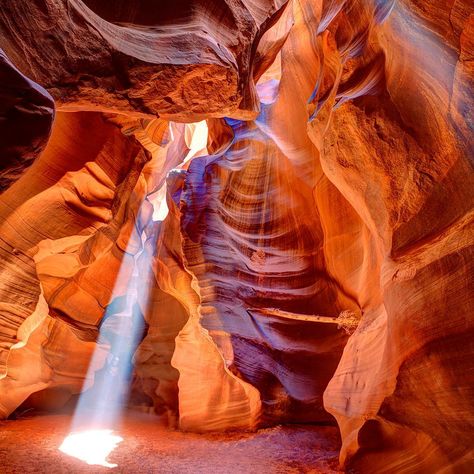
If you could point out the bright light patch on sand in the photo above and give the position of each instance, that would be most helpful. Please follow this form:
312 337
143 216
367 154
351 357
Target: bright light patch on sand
92 446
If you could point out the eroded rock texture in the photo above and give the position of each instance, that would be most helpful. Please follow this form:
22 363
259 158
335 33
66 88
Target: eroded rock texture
182 60
304 250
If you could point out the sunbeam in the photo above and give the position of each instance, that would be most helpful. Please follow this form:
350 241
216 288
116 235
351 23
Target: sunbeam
98 412
93 435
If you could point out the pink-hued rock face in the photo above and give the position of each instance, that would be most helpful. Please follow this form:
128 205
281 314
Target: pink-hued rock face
292 183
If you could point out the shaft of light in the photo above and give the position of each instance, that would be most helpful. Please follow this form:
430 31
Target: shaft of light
99 409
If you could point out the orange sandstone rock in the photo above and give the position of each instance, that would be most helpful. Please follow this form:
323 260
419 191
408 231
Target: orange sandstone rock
304 259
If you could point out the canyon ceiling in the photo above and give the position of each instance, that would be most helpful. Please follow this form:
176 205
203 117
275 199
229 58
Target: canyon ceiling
293 183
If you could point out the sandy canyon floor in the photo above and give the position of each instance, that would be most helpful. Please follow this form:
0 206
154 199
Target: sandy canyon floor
30 445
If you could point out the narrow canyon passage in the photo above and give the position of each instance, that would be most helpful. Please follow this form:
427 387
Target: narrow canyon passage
236 236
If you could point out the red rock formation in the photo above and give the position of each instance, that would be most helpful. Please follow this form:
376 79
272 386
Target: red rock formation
182 60
411 182
308 256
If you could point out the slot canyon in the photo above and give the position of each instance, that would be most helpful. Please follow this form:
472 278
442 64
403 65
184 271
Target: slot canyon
236 236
